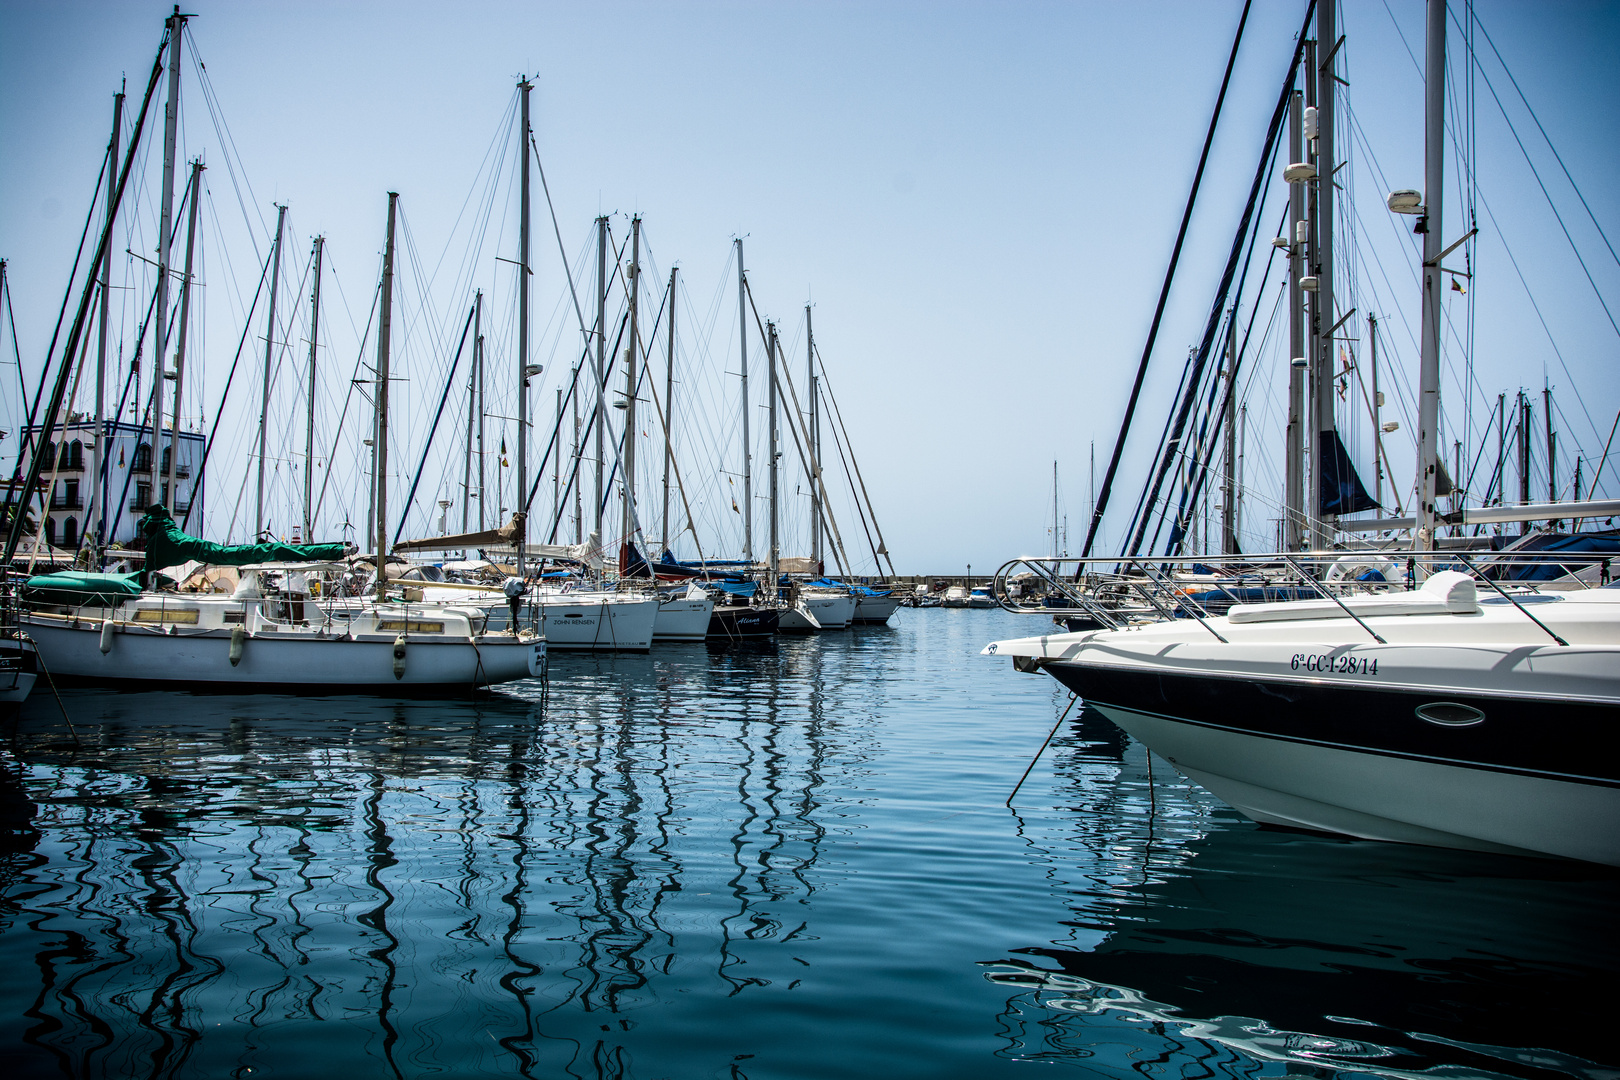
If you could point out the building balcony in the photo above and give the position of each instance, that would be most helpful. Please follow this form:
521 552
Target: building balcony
62 502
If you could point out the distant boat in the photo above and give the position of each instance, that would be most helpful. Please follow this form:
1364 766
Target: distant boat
955 596
981 597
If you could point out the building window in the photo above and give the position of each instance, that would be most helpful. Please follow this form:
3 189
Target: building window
47 456
75 455
143 495
143 458
50 532
70 533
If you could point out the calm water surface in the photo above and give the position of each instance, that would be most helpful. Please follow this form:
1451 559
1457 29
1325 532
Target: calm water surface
786 861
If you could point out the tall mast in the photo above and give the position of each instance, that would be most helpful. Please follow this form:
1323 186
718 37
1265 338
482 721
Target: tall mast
1429 361
628 532
1377 404
478 356
1552 465
521 502
599 419
1322 319
669 410
1229 543
269 351
98 445
1054 509
747 453
379 449
815 438
474 421
556 467
171 122
180 352
773 437
1294 468
309 417
1524 457
579 515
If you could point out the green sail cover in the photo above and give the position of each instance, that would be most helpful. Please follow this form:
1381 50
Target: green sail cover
166 545
74 588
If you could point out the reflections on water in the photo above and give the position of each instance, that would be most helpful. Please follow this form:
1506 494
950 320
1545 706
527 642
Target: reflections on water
773 861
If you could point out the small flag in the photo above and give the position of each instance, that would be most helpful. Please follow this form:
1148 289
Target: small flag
1456 286
120 457
734 509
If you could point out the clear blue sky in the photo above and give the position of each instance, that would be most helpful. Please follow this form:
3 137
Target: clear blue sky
979 198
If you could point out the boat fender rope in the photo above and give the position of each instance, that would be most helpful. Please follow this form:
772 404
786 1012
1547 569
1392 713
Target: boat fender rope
238 637
399 657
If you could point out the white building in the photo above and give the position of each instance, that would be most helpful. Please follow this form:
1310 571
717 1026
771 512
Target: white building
129 484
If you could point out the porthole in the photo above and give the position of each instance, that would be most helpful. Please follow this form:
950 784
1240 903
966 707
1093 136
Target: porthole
1450 714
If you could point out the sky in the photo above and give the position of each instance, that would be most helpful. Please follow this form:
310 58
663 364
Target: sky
978 199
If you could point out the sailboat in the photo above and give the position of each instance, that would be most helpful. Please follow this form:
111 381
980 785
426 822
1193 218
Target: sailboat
1433 715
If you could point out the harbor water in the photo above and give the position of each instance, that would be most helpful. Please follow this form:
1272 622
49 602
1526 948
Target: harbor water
783 860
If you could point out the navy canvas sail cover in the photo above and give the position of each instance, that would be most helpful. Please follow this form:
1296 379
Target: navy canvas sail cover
1342 491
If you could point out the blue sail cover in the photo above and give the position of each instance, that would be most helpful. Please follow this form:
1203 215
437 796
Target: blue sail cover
858 590
1342 491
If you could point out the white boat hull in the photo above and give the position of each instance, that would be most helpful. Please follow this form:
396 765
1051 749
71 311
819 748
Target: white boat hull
608 624
830 612
147 655
682 619
1379 797
875 610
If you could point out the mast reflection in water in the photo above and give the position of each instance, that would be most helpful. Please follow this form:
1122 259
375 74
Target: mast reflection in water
782 861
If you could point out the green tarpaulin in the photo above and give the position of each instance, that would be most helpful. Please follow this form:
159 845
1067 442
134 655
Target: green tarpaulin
75 588
166 545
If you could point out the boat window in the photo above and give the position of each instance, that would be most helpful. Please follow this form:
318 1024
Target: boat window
166 615
400 626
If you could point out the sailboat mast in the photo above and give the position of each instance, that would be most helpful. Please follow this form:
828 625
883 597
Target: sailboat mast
579 515
628 533
379 449
556 466
747 454
309 416
520 503
815 438
669 410
1054 510
180 352
772 438
1294 468
473 419
171 122
98 445
1322 319
1229 544
478 356
269 351
1377 404
599 420
1429 354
